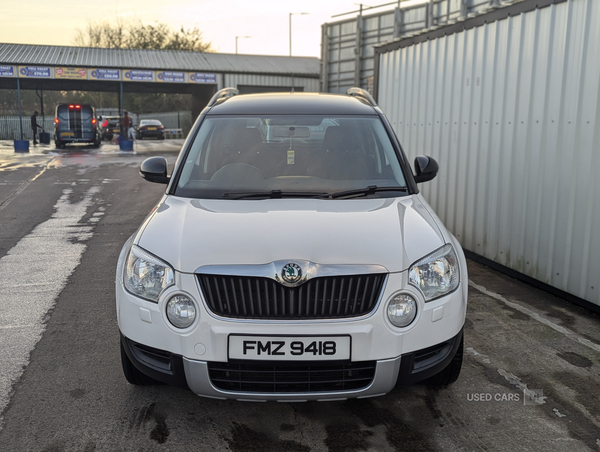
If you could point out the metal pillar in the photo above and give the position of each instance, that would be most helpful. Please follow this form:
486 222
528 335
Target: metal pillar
358 48
464 8
121 106
20 112
398 19
324 59
429 22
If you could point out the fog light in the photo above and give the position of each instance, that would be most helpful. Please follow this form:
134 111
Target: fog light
402 310
181 311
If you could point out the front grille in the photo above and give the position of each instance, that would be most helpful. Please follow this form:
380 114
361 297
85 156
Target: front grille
264 298
291 378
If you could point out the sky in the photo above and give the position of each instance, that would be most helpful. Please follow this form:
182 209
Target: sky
220 21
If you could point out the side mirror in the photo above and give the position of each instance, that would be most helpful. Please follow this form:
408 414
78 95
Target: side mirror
154 169
426 168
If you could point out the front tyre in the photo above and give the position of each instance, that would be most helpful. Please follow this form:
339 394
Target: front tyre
132 374
451 372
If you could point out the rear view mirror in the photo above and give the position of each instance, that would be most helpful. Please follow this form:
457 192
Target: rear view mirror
154 169
426 168
293 131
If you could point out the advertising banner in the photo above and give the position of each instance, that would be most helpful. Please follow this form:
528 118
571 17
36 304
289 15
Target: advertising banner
7 71
170 76
139 76
203 77
35 72
77 73
105 74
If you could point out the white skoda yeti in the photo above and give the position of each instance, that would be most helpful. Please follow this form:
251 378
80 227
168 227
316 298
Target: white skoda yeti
291 258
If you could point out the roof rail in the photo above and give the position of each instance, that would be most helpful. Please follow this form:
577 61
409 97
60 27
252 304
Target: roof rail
363 94
224 93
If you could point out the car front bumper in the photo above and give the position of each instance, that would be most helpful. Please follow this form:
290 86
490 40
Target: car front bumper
184 358
197 376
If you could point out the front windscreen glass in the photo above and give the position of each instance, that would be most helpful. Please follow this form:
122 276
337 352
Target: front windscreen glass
235 157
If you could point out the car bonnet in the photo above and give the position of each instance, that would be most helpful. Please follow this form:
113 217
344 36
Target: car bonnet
191 233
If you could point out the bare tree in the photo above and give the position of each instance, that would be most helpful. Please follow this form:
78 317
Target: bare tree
102 34
190 39
136 35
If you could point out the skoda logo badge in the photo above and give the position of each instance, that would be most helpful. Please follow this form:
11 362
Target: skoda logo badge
291 273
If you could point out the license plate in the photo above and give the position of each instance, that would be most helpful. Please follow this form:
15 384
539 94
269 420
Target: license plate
289 348
151 128
67 134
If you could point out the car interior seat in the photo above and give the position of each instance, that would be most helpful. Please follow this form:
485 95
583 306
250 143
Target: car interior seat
337 157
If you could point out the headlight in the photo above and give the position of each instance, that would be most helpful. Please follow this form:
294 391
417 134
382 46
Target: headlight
146 275
181 311
437 274
402 310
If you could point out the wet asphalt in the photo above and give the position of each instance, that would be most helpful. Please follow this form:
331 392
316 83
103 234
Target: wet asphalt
530 376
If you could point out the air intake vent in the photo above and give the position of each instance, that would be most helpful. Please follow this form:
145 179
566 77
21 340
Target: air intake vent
291 378
319 298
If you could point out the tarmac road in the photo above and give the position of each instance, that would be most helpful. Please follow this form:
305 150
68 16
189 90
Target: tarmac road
529 382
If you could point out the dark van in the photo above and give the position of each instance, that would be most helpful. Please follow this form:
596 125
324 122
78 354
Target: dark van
75 123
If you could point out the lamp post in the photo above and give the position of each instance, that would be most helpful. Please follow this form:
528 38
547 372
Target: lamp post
291 29
236 42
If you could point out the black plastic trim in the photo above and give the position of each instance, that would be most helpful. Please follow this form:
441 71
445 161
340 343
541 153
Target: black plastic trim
167 370
413 370
573 299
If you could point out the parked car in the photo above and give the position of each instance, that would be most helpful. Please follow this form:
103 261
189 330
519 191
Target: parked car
75 123
150 128
292 257
110 126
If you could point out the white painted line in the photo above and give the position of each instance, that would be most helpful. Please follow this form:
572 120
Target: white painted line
23 186
484 358
558 413
530 394
32 275
516 381
534 315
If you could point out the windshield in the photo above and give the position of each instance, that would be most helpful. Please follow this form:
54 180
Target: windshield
290 155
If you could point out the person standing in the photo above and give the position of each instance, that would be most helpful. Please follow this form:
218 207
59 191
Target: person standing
127 123
35 126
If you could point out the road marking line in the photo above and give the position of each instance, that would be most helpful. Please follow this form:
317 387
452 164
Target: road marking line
484 358
558 413
534 315
516 381
24 185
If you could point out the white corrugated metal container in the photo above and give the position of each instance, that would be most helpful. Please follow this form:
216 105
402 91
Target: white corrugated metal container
508 103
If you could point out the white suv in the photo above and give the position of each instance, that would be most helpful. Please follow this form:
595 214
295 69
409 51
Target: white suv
291 258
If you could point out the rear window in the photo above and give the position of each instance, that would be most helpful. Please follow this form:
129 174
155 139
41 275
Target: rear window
87 112
312 154
150 122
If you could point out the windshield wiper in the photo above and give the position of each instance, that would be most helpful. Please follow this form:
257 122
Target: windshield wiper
370 190
273 194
